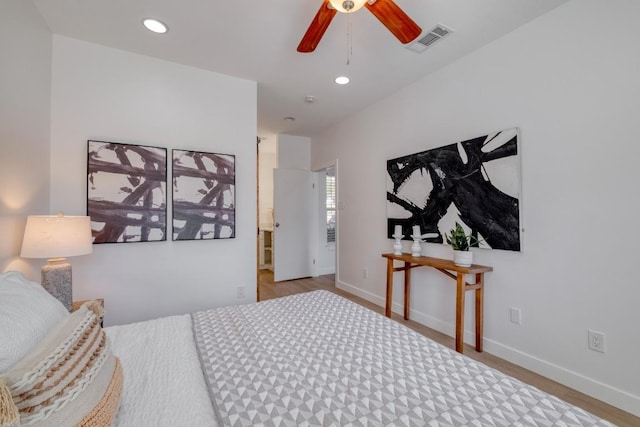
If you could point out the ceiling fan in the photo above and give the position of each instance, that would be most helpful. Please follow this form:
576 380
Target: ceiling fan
387 12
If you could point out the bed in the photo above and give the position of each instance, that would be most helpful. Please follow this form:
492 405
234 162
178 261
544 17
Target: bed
314 359
311 359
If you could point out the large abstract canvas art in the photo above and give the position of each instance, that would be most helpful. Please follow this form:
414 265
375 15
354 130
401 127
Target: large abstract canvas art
126 192
203 195
476 182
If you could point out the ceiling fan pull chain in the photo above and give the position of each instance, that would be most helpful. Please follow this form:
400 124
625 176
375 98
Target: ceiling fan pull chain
349 40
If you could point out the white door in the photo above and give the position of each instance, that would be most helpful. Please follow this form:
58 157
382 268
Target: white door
292 201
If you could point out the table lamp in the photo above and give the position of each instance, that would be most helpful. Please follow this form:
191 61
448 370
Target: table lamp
56 237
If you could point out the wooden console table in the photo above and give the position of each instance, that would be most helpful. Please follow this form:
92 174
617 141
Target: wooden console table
446 267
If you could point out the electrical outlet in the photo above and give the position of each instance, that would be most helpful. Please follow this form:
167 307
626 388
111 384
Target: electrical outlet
365 273
516 316
240 292
596 341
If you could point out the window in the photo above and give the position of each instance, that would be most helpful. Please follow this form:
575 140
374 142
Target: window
330 204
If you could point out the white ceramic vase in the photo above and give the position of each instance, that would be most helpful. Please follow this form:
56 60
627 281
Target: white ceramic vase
416 249
463 258
397 246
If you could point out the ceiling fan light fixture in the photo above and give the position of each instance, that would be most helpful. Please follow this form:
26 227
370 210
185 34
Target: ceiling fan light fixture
154 25
347 6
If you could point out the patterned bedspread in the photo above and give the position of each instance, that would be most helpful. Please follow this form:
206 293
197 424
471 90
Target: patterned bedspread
320 359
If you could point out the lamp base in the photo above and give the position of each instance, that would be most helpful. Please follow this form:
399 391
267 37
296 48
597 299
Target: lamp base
56 279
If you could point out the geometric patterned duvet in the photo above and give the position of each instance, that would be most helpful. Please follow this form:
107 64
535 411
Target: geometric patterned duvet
318 359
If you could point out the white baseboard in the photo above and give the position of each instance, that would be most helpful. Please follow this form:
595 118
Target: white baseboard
596 389
606 393
371 297
326 270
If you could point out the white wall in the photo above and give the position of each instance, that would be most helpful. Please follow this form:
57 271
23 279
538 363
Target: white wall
293 152
25 94
575 94
111 95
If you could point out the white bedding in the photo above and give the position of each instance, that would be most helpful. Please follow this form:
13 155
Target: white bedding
163 382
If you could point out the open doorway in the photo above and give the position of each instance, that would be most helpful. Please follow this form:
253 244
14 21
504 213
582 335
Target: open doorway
313 243
266 162
321 234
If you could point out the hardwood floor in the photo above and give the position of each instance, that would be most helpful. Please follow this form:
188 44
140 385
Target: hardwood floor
269 289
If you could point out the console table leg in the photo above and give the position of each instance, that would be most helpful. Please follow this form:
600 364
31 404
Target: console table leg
387 310
479 310
407 290
460 285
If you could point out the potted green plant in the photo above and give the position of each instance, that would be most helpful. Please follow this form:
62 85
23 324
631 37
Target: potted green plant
460 242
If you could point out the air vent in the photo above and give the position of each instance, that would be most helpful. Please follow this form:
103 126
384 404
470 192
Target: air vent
436 34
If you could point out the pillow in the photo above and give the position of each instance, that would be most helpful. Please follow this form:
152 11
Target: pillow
70 378
27 313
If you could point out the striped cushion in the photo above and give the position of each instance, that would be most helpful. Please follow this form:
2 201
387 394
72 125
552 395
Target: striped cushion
70 378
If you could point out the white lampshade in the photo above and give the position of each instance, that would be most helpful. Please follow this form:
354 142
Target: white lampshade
347 6
56 236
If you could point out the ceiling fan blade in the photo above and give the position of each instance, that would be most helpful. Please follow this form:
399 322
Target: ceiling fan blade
396 21
317 28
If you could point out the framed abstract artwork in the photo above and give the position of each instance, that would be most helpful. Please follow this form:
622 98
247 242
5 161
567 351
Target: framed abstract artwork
476 182
126 192
203 195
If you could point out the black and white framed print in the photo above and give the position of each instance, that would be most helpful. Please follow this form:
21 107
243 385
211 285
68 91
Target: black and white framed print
203 195
126 192
476 182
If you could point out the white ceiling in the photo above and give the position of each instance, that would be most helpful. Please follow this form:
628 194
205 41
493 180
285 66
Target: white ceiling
257 40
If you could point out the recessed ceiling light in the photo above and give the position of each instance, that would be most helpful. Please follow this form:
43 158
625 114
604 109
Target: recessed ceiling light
342 80
155 25
289 119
